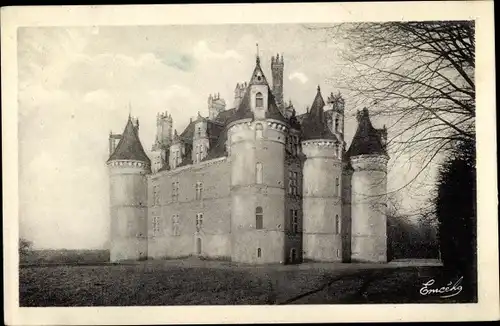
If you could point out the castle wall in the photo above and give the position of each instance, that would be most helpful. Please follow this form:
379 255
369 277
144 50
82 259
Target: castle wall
369 219
214 204
128 210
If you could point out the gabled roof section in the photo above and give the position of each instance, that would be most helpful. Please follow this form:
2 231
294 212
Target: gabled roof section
258 77
130 147
367 140
314 123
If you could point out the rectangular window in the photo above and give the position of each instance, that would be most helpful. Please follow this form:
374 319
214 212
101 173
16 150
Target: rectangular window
295 220
156 225
258 173
337 224
156 195
175 225
199 221
337 186
175 191
259 218
293 184
199 190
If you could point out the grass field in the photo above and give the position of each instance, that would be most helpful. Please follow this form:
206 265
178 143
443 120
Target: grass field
180 283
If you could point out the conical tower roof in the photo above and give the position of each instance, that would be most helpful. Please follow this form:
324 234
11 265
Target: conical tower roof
366 140
130 147
315 125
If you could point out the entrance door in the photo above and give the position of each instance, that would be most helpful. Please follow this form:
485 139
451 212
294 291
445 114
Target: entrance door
198 246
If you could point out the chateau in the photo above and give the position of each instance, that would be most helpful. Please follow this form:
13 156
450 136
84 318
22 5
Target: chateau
254 183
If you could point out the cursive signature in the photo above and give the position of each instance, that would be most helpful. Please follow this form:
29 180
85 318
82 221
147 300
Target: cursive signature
448 291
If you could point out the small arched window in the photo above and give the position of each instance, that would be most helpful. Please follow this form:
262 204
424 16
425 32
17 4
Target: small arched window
258 131
336 124
337 224
199 132
258 173
259 100
259 218
336 186
259 252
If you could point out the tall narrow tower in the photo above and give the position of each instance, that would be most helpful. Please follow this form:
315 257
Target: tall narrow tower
277 68
256 135
368 157
128 166
322 173
163 140
215 105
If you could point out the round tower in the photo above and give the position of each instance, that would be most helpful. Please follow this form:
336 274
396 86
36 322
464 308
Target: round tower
128 166
256 136
257 157
322 173
368 159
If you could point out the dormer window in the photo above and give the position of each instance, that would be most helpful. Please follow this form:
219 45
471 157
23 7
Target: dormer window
259 100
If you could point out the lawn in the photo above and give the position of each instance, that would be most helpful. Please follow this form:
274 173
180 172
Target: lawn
161 283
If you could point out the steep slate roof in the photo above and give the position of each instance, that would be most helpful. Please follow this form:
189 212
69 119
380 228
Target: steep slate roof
223 116
187 135
214 131
314 123
273 112
243 111
219 148
366 140
130 147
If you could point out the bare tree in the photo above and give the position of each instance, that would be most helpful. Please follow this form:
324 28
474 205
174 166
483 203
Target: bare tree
419 76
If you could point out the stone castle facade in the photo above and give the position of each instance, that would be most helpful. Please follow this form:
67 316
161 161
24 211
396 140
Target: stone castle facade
254 183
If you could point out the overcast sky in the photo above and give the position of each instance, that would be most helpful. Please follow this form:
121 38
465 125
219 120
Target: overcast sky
76 84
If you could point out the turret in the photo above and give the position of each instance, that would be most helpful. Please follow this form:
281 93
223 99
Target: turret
177 151
215 105
201 142
163 140
322 177
256 137
128 166
239 91
114 139
368 158
277 67
337 104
